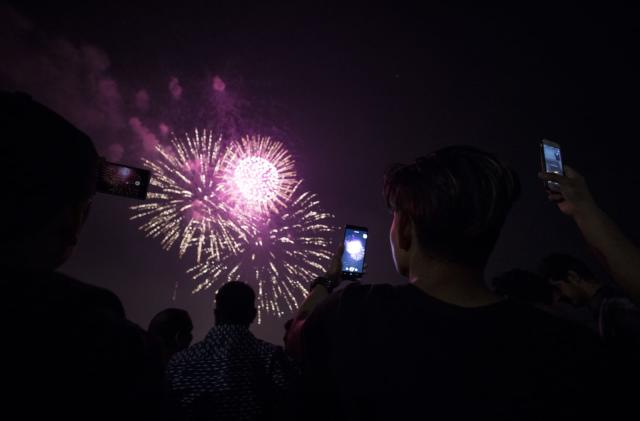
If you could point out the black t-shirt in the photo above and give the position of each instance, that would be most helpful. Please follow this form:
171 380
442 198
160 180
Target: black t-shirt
69 352
394 352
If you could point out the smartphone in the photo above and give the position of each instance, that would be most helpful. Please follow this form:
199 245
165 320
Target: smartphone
122 180
355 247
551 161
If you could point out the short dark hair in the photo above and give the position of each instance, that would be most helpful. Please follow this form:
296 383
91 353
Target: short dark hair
458 198
235 304
556 266
43 159
170 322
523 285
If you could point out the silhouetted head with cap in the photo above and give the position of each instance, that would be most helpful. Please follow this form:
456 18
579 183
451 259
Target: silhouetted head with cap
48 171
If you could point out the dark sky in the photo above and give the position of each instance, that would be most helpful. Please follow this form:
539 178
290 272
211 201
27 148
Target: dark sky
351 89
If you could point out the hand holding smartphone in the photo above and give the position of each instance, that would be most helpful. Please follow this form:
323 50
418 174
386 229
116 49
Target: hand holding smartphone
355 247
122 180
551 162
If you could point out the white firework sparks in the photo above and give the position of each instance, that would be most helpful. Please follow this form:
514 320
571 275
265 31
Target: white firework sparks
283 254
259 176
185 204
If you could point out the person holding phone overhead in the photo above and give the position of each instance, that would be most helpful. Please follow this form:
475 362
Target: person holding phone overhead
442 346
616 317
619 255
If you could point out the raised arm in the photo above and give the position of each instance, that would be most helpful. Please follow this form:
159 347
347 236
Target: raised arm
618 254
319 292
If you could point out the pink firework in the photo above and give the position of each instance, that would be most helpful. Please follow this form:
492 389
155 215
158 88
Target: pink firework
281 255
259 176
184 205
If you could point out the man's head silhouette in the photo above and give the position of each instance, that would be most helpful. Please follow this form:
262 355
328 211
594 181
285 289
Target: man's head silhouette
48 172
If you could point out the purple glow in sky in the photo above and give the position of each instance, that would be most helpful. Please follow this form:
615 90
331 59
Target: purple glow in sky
175 88
164 129
149 140
115 152
218 84
142 100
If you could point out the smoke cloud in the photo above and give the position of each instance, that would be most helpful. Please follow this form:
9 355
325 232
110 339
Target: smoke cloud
115 152
164 129
175 88
142 100
72 79
149 140
218 84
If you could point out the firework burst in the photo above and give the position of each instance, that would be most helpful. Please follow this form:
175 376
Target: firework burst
259 176
284 252
185 205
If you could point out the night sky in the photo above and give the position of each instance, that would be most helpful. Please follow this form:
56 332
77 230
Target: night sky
350 90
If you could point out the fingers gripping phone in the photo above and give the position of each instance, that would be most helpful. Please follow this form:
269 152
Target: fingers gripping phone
355 247
121 180
551 161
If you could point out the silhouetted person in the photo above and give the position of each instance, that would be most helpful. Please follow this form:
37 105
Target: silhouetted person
442 346
615 317
232 375
73 354
172 327
615 251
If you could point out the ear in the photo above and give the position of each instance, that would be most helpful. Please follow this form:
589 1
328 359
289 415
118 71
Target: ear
405 231
573 277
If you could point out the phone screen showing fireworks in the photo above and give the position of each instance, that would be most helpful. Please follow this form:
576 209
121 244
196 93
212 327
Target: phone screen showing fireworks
355 246
121 180
552 161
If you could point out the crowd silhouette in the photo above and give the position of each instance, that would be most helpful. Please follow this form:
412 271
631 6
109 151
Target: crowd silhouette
444 345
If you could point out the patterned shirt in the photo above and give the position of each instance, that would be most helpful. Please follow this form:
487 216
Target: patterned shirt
232 375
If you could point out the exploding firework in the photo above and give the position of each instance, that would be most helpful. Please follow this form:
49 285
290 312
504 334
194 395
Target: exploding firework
259 176
185 204
284 252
